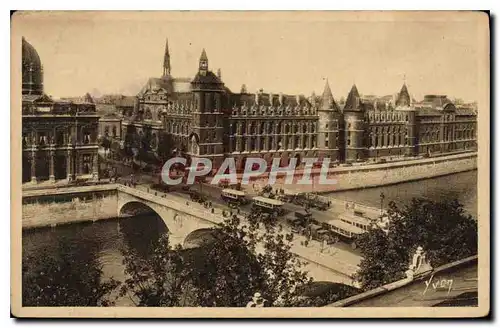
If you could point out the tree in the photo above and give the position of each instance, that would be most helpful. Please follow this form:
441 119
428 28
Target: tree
105 144
236 261
165 146
443 229
66 281
156 280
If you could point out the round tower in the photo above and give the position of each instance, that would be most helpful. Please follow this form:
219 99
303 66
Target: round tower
328 126
354 127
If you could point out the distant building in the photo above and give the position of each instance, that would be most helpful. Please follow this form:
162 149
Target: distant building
59 138
205 119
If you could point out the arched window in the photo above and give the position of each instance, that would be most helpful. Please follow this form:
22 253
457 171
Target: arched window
304 128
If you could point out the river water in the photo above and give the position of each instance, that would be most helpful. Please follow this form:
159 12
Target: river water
103 241
461 186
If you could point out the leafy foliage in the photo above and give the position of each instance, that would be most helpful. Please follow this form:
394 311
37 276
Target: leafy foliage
51 281
158 279
237 261
443 229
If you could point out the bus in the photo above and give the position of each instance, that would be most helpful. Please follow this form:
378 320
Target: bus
268 205
233 196
349 227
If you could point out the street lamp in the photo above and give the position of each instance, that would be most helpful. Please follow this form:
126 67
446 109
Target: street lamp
382 197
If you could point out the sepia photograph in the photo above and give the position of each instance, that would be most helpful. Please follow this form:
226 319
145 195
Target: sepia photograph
180 164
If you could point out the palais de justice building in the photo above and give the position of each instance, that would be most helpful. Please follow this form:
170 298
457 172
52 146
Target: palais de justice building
59 138
206 119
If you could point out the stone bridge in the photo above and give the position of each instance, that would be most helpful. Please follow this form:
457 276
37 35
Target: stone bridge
185 223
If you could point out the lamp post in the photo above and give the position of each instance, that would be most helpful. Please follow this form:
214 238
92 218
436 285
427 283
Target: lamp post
382 197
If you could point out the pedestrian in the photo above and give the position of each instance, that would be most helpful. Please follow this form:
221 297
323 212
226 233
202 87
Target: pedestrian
213 210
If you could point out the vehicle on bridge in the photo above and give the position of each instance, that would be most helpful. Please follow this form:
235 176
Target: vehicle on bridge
233 196
197 197
268 205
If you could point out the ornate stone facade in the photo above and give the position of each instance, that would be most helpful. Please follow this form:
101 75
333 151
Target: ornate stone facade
59 138
205 119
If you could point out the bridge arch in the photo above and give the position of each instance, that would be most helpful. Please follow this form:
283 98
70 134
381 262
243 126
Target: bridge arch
135 208
200 237
180 218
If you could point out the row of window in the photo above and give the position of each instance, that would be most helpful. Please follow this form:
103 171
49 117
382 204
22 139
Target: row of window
254 128
273 111
242 144
386 116
59 139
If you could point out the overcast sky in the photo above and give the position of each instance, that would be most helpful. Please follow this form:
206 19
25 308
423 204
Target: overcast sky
117 52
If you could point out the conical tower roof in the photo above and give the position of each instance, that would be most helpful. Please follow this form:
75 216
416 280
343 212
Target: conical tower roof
327 100
353 101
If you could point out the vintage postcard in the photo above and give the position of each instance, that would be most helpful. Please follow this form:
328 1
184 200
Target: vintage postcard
250 164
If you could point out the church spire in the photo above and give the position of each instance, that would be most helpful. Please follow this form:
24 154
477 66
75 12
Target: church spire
166 61
203 67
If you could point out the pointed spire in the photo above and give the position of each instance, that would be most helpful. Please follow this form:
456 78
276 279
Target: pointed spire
203 55
203 68
403 98
327 100
219 74
166 60
353 101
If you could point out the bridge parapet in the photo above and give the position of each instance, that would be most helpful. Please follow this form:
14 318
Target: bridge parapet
181 219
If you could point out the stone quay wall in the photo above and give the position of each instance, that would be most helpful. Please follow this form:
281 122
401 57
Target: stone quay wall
44 208
373 175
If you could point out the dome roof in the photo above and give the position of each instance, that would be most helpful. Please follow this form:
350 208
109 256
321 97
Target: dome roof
31 70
